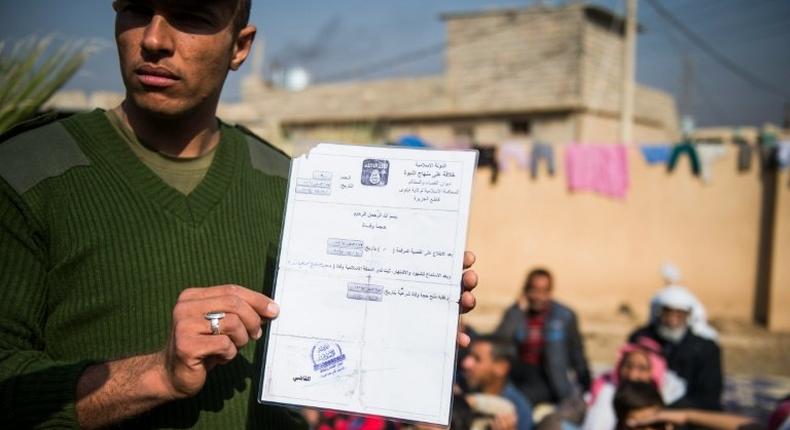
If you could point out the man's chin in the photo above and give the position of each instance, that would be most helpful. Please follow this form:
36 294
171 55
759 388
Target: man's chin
159 105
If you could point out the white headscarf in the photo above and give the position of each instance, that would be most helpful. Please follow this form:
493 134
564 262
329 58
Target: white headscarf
679 297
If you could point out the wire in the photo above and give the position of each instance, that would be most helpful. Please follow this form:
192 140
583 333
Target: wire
400 59
715 54
414 55
684 56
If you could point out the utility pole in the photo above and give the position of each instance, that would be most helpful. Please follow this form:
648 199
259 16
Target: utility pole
629 54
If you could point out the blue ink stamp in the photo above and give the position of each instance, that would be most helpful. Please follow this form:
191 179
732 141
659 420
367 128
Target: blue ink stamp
367 292
345 247
327 358
375 172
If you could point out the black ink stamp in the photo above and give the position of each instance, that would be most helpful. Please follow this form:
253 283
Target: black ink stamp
327 358
375 172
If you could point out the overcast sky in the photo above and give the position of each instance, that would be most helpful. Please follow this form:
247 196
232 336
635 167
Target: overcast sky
332 39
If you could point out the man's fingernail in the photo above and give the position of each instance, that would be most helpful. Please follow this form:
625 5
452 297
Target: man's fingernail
273 309
259 334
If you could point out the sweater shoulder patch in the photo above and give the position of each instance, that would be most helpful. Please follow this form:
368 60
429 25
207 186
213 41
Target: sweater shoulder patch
265 157
38 154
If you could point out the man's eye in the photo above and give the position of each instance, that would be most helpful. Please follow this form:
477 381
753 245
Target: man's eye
138 10
190 18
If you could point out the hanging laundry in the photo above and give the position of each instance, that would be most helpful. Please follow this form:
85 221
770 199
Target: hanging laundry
459 142
769 149
684 148
541 151
413 141
486 157
709 154
512 152
783 154
656 153
599 168
744 154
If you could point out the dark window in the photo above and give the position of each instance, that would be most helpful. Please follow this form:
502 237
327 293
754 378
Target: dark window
520 127
464 131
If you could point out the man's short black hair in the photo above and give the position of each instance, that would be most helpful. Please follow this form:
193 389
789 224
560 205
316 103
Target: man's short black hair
242 17
501 347
631 396
536 272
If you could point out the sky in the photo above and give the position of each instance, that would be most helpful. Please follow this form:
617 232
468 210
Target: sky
335 39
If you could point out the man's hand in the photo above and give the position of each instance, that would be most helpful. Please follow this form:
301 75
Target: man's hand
695 417
468 301
113 391
676 417
192 350
505 421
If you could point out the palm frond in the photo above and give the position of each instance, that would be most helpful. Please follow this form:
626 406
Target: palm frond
31 73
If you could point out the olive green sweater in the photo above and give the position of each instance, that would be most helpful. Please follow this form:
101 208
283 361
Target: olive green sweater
94 250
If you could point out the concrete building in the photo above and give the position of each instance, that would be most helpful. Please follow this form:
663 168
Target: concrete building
545 73
554 74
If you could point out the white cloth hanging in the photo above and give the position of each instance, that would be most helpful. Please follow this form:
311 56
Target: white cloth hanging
709 154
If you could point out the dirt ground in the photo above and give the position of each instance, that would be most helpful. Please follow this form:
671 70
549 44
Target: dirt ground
747 349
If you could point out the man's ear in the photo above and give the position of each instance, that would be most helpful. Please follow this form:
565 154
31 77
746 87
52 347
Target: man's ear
242 46
502 368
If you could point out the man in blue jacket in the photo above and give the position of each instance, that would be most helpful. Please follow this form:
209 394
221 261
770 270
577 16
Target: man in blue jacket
549 344
486 367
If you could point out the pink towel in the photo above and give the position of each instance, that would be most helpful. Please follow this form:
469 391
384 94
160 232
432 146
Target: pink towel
599 168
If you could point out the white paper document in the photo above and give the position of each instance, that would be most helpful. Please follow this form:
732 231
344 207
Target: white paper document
368 282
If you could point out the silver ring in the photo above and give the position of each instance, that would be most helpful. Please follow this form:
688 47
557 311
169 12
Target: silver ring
213 318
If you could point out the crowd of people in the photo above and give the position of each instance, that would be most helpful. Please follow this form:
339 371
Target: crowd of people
532 372
668 373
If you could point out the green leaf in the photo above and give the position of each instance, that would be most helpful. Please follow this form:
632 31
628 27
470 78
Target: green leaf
31 73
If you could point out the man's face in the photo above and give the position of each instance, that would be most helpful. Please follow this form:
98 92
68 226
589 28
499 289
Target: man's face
479 366
539 293
674 318
375 177
636 367
175 54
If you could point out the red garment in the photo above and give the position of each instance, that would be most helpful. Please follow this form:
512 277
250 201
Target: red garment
531 349
335 421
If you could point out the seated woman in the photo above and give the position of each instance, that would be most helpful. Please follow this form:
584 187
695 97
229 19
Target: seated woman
636 362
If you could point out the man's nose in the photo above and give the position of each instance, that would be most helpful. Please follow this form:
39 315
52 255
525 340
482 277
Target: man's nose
158 36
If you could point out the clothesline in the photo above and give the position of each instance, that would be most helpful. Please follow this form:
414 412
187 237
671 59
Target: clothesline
604 168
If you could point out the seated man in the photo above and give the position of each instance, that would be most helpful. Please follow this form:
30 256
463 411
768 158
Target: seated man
549 343
486 368
686 344
641 362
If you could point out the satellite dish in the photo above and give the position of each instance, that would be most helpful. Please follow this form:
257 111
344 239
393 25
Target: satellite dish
296 79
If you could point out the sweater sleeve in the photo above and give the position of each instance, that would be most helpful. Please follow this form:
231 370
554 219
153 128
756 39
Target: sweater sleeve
577 356
36 391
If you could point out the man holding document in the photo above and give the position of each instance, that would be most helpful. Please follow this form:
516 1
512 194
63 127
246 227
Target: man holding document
138 247
372 249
